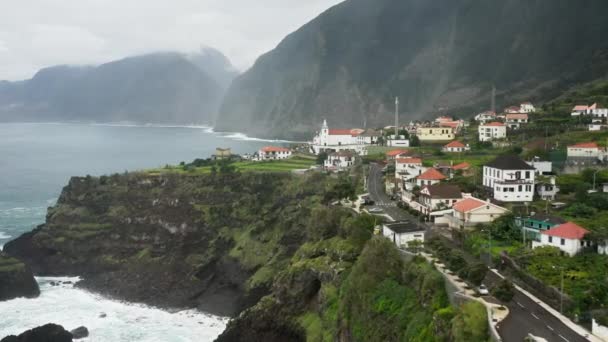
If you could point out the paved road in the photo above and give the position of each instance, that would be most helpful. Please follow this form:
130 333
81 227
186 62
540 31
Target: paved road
375 187
525 316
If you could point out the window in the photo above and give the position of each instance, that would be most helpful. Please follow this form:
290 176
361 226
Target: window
519 188
563 242
527 174
550 239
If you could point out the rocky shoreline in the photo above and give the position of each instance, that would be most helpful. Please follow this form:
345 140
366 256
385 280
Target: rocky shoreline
16 279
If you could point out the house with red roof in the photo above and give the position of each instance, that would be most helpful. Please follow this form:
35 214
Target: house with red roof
568 237
431 176
487 116
394 154
464 169
455 147
273 153
585 150
515 120
492 131
472 211
594 109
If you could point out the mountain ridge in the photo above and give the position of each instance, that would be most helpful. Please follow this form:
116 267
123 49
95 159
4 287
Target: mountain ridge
155 88
348 64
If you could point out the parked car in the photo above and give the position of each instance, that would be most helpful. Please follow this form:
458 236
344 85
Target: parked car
376 210
483 290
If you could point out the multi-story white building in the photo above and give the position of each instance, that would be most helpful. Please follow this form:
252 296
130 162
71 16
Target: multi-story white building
273 153
510 178
492 131
439 197
407 169
568 237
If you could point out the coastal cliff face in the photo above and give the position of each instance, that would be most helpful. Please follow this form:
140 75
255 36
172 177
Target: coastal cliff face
208 241
16 279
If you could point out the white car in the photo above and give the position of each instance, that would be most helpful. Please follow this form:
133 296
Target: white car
483 290
376 210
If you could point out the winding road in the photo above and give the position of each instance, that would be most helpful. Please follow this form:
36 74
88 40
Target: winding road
525 315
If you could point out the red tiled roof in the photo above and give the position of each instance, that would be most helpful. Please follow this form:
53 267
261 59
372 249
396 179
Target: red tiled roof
444 118
462 166
409 161
270 149
585 145
468 204
568 230
517 116
455 143
394 153
580 107
351 132
431 174
451 124
497 124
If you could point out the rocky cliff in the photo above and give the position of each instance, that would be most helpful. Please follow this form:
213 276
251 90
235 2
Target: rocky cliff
16 279
46 333
348 64
208 241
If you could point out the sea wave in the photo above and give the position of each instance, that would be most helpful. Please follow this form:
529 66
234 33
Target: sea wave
106 320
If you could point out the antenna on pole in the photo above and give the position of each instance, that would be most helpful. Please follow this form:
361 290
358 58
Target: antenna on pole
396 117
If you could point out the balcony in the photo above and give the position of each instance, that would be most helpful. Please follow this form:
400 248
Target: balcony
513 181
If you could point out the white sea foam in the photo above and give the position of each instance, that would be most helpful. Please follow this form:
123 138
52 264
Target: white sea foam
72 307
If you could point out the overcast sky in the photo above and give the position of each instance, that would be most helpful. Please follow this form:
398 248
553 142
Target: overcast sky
39 33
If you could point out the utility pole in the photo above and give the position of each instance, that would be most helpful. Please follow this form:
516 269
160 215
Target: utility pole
493 104
396 117
561 297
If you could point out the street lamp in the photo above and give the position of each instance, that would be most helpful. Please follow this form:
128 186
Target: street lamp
561 291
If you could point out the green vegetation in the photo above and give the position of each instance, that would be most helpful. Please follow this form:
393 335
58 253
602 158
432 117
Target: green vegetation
504 290
10 264
299 162
584 275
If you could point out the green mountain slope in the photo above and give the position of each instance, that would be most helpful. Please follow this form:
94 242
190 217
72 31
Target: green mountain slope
349 63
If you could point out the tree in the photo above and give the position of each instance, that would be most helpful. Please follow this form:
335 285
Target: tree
321 158
580 210
414 141
504 291
476 273
471 323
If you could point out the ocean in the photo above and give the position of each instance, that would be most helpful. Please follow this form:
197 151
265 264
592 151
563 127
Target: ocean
37 160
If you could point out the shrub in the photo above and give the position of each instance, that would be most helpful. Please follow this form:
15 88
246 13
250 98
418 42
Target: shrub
504 291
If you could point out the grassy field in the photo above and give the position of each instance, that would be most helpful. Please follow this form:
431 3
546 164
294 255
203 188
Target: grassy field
299 162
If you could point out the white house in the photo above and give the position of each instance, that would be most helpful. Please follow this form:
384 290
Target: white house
542 167
339 160
527 107
274 153
515 120
492 131
484 117
337 139
398 141
407 169
594 110
547 190
510 178
369 137
472 211
430 177
512 109
455 147
394 154
404 232
587 150
568 237
439 197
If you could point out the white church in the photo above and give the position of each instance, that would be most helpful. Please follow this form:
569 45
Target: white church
335 140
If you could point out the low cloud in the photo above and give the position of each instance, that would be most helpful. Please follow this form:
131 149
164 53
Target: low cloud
40 33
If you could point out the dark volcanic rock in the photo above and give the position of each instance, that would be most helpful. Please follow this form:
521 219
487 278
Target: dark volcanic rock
45 333
16 279
80 332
